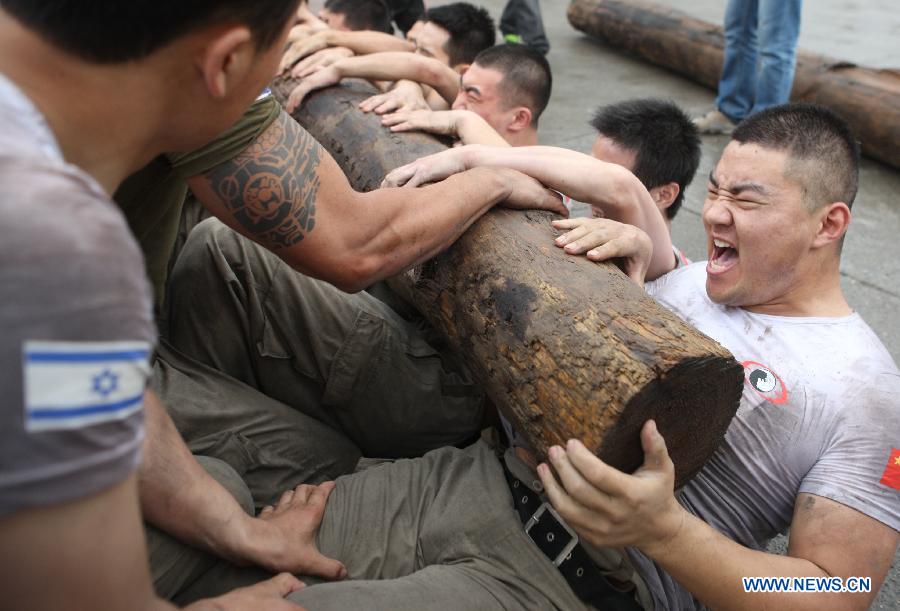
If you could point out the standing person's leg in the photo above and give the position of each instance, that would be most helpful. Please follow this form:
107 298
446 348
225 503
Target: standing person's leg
779 28
521 21
346 360
737 85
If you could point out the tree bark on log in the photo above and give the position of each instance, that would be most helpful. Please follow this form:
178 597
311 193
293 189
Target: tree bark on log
564 347
868 98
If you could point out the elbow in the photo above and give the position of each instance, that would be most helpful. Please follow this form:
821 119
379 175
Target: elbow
350 271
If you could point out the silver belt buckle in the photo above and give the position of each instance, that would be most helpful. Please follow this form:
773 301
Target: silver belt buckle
536 517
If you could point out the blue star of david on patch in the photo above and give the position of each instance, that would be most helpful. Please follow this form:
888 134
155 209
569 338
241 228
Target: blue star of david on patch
105 383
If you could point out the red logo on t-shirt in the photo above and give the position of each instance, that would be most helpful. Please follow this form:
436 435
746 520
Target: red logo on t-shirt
765 382
891 476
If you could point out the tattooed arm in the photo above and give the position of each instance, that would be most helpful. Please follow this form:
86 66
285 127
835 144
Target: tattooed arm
288 194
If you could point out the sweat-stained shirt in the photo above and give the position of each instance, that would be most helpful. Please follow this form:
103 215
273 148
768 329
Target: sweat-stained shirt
820 414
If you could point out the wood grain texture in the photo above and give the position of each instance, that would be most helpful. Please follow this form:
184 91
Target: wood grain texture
868 98
563 346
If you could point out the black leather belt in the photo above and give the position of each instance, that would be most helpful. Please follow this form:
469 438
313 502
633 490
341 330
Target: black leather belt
560 544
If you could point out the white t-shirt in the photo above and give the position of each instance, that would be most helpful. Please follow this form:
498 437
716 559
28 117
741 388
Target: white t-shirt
819 414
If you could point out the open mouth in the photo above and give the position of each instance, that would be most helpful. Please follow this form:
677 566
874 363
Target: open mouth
724 257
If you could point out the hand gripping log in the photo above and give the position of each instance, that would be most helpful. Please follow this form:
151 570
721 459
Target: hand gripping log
566 348
867 98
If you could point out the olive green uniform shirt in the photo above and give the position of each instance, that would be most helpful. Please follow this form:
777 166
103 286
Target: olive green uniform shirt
152 198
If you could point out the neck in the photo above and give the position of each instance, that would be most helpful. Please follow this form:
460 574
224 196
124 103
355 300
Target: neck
102 116
818 293
526 137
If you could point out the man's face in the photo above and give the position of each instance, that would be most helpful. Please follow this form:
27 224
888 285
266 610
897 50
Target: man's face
480 92
758 229
335 21
430 40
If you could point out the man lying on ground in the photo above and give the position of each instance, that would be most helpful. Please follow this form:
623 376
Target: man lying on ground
809 448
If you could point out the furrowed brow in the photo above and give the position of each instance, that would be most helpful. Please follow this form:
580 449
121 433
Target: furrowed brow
750 186
713 180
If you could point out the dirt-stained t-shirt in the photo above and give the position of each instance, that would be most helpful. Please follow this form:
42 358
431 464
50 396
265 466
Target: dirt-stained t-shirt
152 198
76 324
819 414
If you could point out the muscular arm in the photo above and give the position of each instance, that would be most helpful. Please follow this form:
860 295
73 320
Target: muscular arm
178 496
827 540
288 194
85 554
616 190
90 554
610 508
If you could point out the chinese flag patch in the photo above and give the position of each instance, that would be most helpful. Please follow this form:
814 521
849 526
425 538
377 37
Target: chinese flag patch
891 476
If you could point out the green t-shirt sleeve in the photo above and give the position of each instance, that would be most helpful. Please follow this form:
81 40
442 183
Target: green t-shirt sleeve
229 143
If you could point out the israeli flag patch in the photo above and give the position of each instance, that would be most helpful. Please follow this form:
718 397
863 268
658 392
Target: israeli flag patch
70 385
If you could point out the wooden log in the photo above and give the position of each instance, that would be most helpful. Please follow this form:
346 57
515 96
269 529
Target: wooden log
868 98
563 346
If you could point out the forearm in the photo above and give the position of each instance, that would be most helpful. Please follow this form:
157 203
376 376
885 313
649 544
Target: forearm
401 66
613 188
400 228
472 129
366 42
178 496
710 566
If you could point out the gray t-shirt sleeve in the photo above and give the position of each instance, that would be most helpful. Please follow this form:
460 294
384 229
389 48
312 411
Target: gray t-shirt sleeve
858 466
77 331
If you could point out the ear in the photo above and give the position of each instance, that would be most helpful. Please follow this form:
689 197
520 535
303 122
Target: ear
521 119
227 59
665 194
461 68
833 222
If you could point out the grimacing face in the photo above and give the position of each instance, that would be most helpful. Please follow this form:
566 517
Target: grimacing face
479 91
759 230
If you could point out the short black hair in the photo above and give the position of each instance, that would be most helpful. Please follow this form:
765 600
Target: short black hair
111 31
527 79
663 137
822 150
471 30
363 14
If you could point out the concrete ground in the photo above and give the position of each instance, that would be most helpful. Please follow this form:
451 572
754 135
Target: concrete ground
588 73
